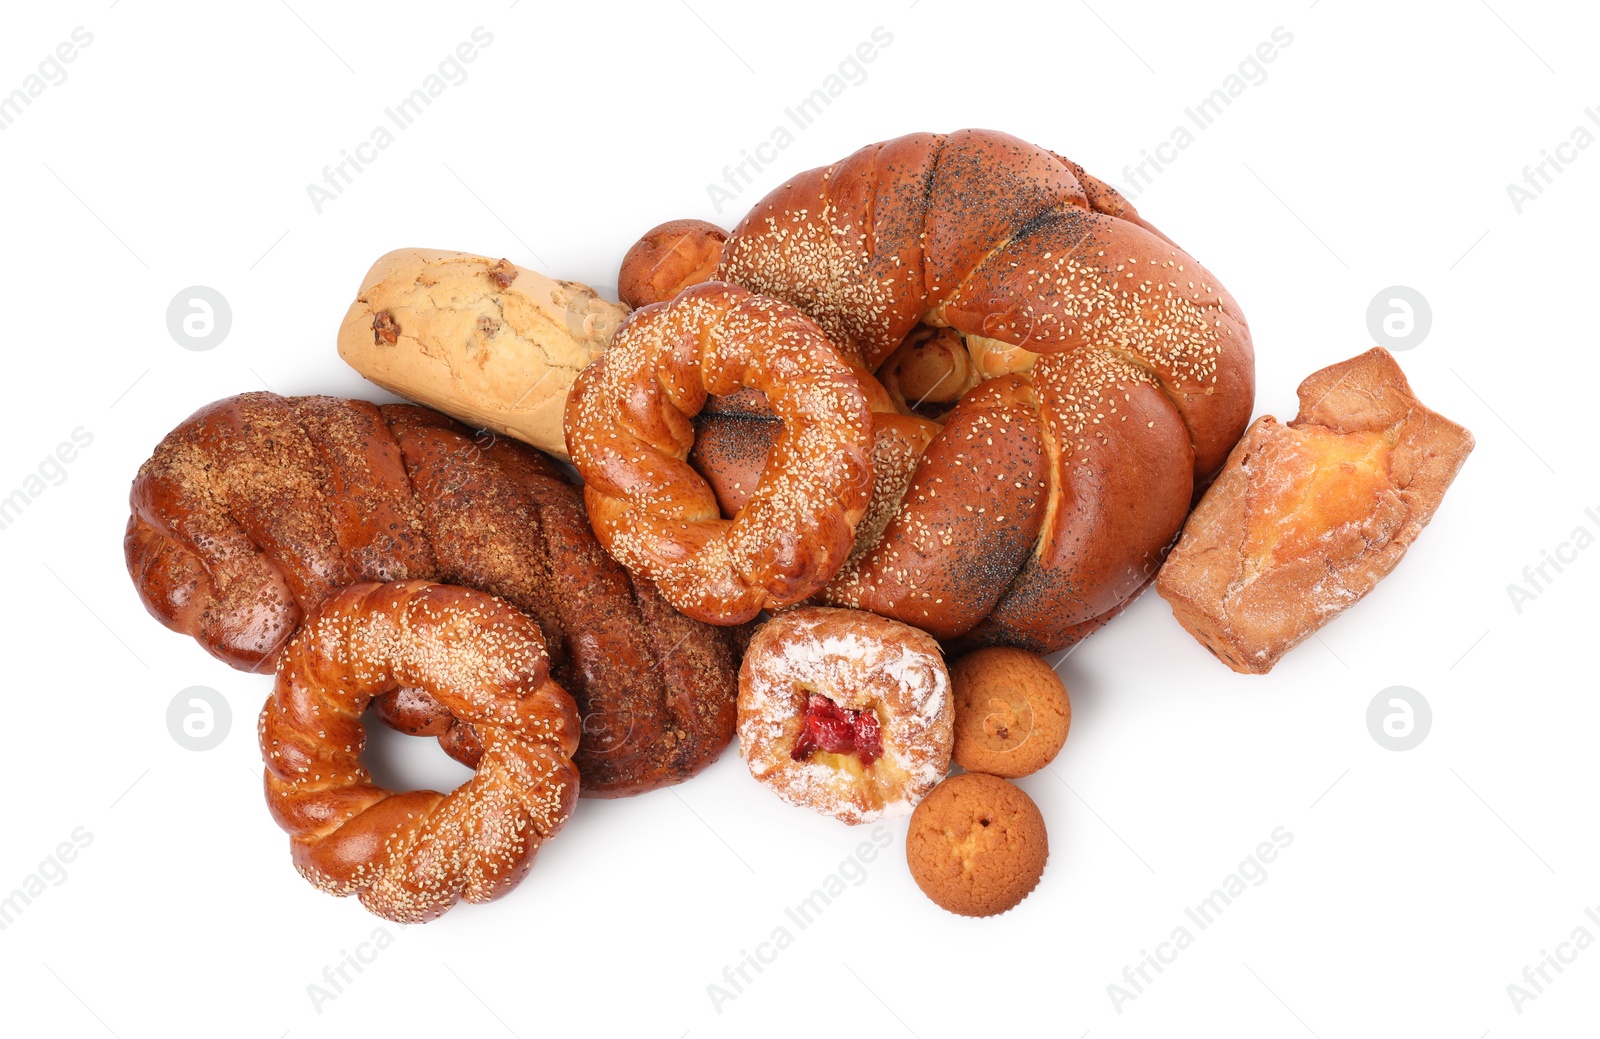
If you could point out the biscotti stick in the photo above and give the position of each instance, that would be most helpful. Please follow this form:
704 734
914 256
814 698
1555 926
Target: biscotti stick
485 341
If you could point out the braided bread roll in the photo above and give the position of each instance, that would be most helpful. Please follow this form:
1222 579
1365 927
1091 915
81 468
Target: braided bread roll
1113 372
259 508
411 856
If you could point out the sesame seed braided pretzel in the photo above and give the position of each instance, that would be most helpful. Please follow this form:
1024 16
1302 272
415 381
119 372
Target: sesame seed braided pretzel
411 856
1108 375
629 431
258 508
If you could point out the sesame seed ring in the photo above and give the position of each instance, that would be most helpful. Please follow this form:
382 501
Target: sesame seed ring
630 429
411 856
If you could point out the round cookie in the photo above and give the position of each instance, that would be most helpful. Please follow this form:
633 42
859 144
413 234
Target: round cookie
1012 712
977 845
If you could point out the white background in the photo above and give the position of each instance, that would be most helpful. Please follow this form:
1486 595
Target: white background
1376 152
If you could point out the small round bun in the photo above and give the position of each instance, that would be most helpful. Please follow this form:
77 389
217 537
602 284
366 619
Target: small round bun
668 259
977 845
1012 712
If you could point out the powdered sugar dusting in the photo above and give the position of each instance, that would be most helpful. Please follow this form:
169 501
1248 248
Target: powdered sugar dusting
861 662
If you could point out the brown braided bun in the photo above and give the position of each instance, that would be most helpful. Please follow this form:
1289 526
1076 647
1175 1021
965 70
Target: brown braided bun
258 508
630 429
411 856
1124 373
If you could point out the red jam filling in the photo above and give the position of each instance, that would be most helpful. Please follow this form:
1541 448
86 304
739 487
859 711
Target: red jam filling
838 730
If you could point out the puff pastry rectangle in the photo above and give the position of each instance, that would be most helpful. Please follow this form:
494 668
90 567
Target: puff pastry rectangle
1307 517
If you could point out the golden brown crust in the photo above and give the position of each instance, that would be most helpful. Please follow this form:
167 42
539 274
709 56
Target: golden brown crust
898 444
945 556
1000 239
1012 712
1307 518
732 444
213 484
930 371
1141 362
630 429
668 259
375 515
655 688
483 527
494 344
401 492
977 845
410 857
1120 486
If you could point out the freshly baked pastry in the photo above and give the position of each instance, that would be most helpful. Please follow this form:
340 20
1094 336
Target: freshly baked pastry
845 713
1308 517
411 856
968 519
1108 374
493 344
629 430
1012 712
977 845
931 370
676 254
258 508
